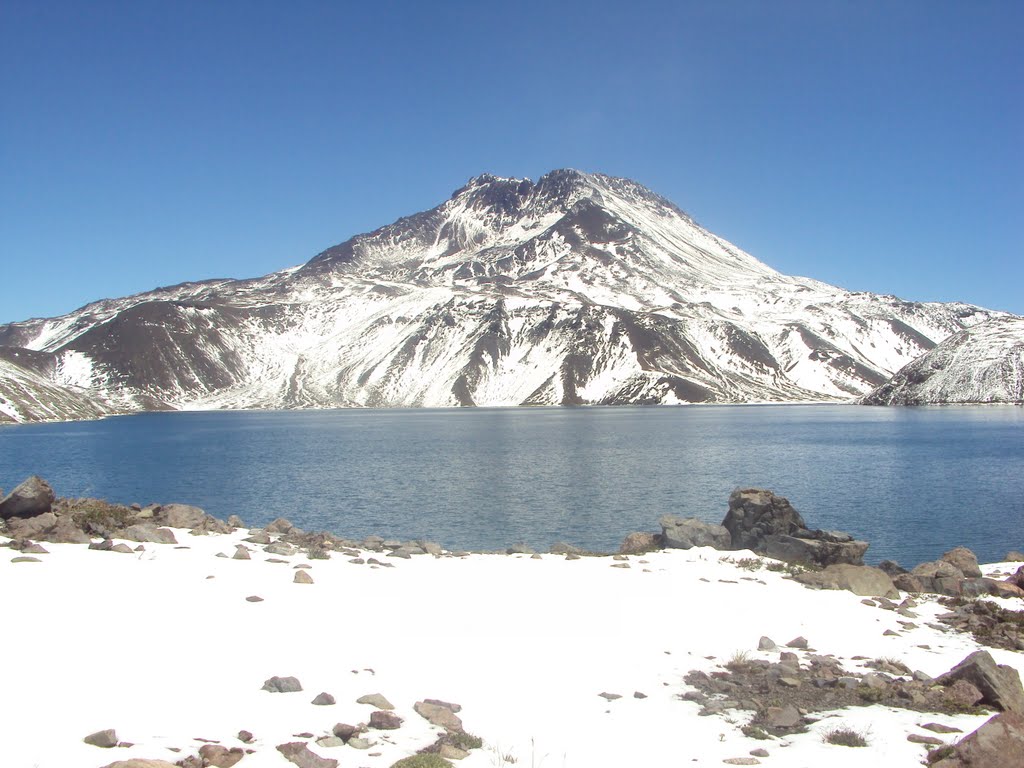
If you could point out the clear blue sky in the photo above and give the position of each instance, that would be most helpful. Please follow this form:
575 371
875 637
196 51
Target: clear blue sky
877 146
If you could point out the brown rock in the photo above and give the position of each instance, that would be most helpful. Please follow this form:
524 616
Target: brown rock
221 757
344 731
105 739
383 720
375 700
182 516
32 497
140 763
446 704
907 582
302 577
963 559
963 694
999 685
636 543
438 715
940 728
1017 579
999 743
917 738
783 717
299 754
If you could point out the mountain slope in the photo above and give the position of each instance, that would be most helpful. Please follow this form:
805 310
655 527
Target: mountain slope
576 289
982 364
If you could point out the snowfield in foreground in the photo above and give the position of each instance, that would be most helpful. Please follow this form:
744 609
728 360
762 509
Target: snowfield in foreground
163 646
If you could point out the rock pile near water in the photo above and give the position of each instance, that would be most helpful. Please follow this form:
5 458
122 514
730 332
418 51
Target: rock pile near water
758 520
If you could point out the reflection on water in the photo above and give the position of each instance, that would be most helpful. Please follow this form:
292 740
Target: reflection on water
912 481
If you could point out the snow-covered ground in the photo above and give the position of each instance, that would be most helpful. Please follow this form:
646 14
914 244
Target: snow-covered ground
163 646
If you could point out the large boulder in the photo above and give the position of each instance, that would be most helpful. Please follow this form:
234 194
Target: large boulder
754 514
816 548
31 527
148 532
33 497
860 579
769 525
999 743
940 577
685 533
193 518
298 753
181 516
636 543
965 560
999 684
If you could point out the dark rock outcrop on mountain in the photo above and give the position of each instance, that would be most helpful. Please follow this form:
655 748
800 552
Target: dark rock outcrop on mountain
980 364
577 289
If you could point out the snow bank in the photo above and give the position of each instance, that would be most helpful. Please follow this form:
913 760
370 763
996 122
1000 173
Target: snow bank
163 646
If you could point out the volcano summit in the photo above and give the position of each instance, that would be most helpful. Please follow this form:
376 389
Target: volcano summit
577 289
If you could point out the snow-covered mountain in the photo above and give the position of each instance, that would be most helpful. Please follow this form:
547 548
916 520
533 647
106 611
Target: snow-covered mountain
579 288
981 364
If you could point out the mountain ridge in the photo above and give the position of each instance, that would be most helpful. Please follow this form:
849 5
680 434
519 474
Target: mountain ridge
575 289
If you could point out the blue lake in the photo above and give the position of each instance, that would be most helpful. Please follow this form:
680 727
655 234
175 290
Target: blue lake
912 481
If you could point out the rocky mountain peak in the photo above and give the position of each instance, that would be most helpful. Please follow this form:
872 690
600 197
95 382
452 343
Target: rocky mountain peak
576 288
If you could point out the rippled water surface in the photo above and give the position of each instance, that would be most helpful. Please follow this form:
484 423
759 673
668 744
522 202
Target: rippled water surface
912 481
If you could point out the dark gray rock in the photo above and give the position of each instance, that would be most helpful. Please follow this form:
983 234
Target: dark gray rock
685 533
755 513
760 521
32 497
815 551
148 532
892 568
282 685
323 699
